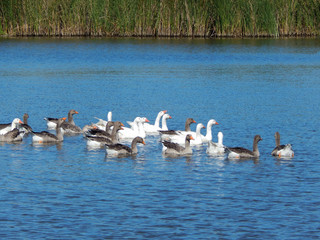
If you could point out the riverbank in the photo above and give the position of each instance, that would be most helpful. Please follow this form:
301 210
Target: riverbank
166 18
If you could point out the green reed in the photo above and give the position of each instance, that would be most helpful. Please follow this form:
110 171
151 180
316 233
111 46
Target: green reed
170 18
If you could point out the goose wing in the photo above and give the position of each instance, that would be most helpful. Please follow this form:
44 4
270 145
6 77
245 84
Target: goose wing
171 145
46 135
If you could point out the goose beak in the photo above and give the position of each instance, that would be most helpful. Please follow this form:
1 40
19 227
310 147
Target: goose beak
64 118
121 124
164 111
191 138
20 121
170 117
147 120
194 121
76 112
143 143
216 123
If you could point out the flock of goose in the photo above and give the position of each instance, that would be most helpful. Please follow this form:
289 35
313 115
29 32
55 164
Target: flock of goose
110 134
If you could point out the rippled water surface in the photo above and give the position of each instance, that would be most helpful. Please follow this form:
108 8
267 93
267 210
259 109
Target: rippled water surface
248 86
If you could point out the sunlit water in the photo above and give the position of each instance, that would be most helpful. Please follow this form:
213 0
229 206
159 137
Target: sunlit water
248 86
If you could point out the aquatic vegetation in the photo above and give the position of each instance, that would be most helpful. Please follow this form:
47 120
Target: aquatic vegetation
165 18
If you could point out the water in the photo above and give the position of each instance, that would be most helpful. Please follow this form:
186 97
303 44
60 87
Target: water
248 86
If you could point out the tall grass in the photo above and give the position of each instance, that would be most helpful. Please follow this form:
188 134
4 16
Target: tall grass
170 18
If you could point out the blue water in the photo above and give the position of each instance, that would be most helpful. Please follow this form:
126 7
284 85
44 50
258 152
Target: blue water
248 86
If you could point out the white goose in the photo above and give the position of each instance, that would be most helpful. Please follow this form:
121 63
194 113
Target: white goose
137 129
216 149
5 128
208 136
154 128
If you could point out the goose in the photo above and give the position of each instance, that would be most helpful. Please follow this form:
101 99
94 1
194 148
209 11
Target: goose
216 149
137 129
164 126
282 150
123 150
197 137
167 134
5 128
52 122
97 132
14 135
239 152
99 138
171 148
101 124
46 137
154 128
208 136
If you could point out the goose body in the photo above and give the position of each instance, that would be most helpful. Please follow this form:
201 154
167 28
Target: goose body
123 150
239 152
68 128
97 142
171 148
14 135
216 149
282 150
46 137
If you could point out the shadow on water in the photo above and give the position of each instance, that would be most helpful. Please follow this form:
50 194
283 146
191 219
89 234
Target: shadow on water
46 146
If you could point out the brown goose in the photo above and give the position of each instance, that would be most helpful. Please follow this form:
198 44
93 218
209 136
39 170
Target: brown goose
123 150
101 138
107 133
46 137
52 122
239 152
171 148
281 150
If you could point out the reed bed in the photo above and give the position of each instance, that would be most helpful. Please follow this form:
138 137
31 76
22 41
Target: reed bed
160 18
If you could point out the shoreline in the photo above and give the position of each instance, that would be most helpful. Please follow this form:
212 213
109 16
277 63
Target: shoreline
284 36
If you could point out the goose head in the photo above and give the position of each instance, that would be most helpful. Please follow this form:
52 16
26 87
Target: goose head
166 116
15 123
212 122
